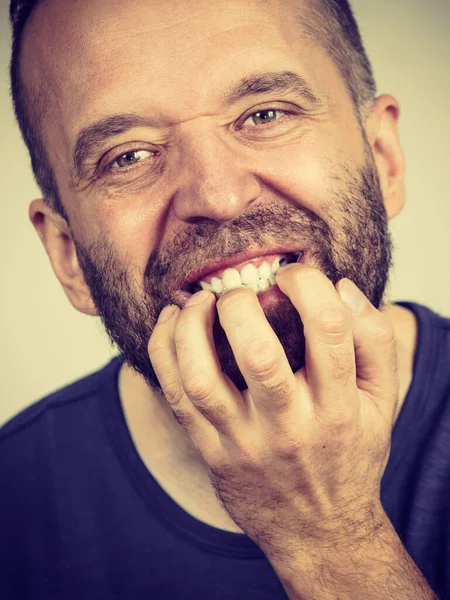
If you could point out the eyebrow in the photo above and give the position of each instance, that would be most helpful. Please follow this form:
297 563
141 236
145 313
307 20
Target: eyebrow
283 82
92 137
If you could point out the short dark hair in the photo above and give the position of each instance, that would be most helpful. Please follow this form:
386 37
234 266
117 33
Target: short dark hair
28 109
330 23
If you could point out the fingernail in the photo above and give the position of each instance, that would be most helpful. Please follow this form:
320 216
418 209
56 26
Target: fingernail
198 298
286 268
167 312
351 295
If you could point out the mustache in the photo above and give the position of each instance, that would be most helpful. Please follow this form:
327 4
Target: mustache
267 226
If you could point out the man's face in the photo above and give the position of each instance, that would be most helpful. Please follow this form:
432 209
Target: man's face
194 173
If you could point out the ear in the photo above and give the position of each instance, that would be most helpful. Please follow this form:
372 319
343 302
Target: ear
383 136
57 239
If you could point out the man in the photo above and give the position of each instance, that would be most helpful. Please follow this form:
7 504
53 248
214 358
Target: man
282 432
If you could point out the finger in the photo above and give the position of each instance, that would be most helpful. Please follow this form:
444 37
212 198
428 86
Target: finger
375 348
162 353
258 352
329 352
204 383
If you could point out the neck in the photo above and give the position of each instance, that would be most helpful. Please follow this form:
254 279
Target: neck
153 427
169 454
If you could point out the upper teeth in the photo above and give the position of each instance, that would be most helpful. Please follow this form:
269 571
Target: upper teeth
258 278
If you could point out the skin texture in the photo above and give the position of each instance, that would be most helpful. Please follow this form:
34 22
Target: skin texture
313 179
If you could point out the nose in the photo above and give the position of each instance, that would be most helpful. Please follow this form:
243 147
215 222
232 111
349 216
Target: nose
215 180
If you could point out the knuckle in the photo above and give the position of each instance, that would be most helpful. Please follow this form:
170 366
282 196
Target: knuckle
199 387
207 401
337 423
333 323
288 450
340 419
249 460
262 366
261 359
173 391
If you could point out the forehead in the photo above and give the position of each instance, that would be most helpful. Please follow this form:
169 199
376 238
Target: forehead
173 59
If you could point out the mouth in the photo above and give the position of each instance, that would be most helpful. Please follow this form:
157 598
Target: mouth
258 273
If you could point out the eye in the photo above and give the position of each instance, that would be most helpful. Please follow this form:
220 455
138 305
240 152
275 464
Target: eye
130 158
268 115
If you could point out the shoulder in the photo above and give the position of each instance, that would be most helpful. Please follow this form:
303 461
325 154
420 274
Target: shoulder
33 418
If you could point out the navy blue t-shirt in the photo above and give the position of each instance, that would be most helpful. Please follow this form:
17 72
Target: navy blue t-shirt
82 518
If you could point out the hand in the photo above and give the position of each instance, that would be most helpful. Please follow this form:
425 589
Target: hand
297 458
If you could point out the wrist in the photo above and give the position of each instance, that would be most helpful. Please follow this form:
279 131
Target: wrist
337 551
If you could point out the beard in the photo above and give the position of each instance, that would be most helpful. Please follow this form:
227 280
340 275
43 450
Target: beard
354 243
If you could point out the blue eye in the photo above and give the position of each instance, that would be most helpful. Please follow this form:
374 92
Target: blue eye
129 158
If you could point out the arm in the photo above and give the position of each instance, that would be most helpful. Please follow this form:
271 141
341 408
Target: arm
379 568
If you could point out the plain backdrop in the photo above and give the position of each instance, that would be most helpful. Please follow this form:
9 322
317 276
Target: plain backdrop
46 343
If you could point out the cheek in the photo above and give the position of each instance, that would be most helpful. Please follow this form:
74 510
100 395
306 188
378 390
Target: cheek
302 174
316 168
134 230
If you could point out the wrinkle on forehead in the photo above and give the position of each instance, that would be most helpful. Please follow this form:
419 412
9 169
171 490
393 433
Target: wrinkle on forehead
70 42
64 29
75 55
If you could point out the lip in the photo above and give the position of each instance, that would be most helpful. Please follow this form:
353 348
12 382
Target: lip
266 298
236 261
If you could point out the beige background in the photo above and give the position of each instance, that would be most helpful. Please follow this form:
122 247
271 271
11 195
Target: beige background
46 344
